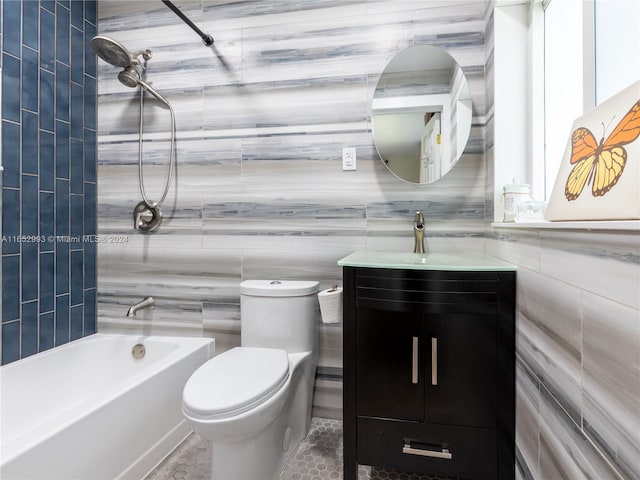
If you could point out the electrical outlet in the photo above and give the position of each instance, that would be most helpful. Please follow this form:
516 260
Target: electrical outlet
349 158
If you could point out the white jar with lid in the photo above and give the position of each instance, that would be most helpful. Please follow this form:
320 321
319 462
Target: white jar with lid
514 194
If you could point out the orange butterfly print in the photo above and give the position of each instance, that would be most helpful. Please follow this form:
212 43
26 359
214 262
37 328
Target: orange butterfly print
600 164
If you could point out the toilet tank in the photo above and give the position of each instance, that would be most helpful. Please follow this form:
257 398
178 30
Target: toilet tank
279 314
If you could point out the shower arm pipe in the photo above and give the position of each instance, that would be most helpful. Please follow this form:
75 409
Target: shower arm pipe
206 38
172 146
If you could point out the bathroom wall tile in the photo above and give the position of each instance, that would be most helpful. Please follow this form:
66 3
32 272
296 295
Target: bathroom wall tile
327 397
47 99
10 340
47 282
77 166
527 422
47 221
565 453
77 287
11 27
90 31
36 150
10 220
330 343
10 83
47 161
10 152
62 149
90 322
62 320
62 207
62 33
90 157
62 265
76 322
29 78
29 329
77 16
89 209
221 321
552 349
285 103
29 145
46 330
90 260
77 111
76 212
91 11
165 319
521 247
62 91
10 287
47 39
120 115
602 263
612 381
89 102
29 205
29 271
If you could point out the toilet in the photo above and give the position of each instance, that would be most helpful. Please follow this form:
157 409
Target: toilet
253 402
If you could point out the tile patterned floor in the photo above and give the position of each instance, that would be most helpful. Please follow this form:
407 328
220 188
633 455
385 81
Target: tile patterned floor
318 457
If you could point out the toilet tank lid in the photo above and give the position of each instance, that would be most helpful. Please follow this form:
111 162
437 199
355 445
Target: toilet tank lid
278 288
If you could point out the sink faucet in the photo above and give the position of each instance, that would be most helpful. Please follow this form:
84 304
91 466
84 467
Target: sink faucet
418 233
146 302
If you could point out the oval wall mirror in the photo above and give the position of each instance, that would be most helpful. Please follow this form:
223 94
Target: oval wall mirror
421 114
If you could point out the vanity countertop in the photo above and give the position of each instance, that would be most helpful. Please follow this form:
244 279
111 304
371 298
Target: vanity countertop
477 262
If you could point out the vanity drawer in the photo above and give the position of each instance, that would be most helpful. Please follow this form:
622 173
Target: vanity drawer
428 448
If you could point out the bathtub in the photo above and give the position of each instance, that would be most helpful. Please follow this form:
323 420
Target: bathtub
90 410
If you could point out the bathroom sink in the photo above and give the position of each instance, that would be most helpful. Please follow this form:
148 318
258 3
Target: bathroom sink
425 261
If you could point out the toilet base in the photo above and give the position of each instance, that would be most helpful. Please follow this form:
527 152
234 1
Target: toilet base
264 455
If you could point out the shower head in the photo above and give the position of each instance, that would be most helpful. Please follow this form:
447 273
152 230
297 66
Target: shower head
111 51
129 77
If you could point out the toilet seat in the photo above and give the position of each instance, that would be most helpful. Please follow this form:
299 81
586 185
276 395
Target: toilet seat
235 382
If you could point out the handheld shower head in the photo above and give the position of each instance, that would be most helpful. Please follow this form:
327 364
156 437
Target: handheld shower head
130 77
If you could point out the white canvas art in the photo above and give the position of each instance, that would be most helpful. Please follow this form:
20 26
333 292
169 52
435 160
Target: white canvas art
599 177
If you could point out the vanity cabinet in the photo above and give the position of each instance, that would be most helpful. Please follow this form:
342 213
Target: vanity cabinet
429 371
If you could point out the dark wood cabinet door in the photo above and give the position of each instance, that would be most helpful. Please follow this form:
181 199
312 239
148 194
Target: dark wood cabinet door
389 365
461 383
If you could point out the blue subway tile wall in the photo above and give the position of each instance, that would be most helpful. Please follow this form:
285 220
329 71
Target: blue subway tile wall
49 179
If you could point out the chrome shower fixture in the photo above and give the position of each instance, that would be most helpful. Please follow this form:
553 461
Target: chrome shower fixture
147 215
114 53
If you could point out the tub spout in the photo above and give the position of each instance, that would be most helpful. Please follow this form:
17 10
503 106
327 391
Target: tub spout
418 233
146 302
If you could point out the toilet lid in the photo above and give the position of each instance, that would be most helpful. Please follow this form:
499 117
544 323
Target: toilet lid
235 381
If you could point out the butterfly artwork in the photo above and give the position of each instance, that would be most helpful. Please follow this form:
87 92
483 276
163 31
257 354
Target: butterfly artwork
599 175
601 164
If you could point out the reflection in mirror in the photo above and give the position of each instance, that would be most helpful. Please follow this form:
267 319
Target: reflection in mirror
421 114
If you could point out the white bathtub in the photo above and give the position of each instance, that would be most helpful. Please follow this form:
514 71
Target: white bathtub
89 410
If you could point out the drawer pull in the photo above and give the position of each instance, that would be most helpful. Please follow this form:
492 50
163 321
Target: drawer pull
434 361
414 361
444 453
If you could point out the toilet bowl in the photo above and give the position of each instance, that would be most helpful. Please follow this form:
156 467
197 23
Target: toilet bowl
254 401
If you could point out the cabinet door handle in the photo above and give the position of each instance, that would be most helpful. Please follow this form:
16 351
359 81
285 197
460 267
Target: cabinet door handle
414 361
444 453
434 361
